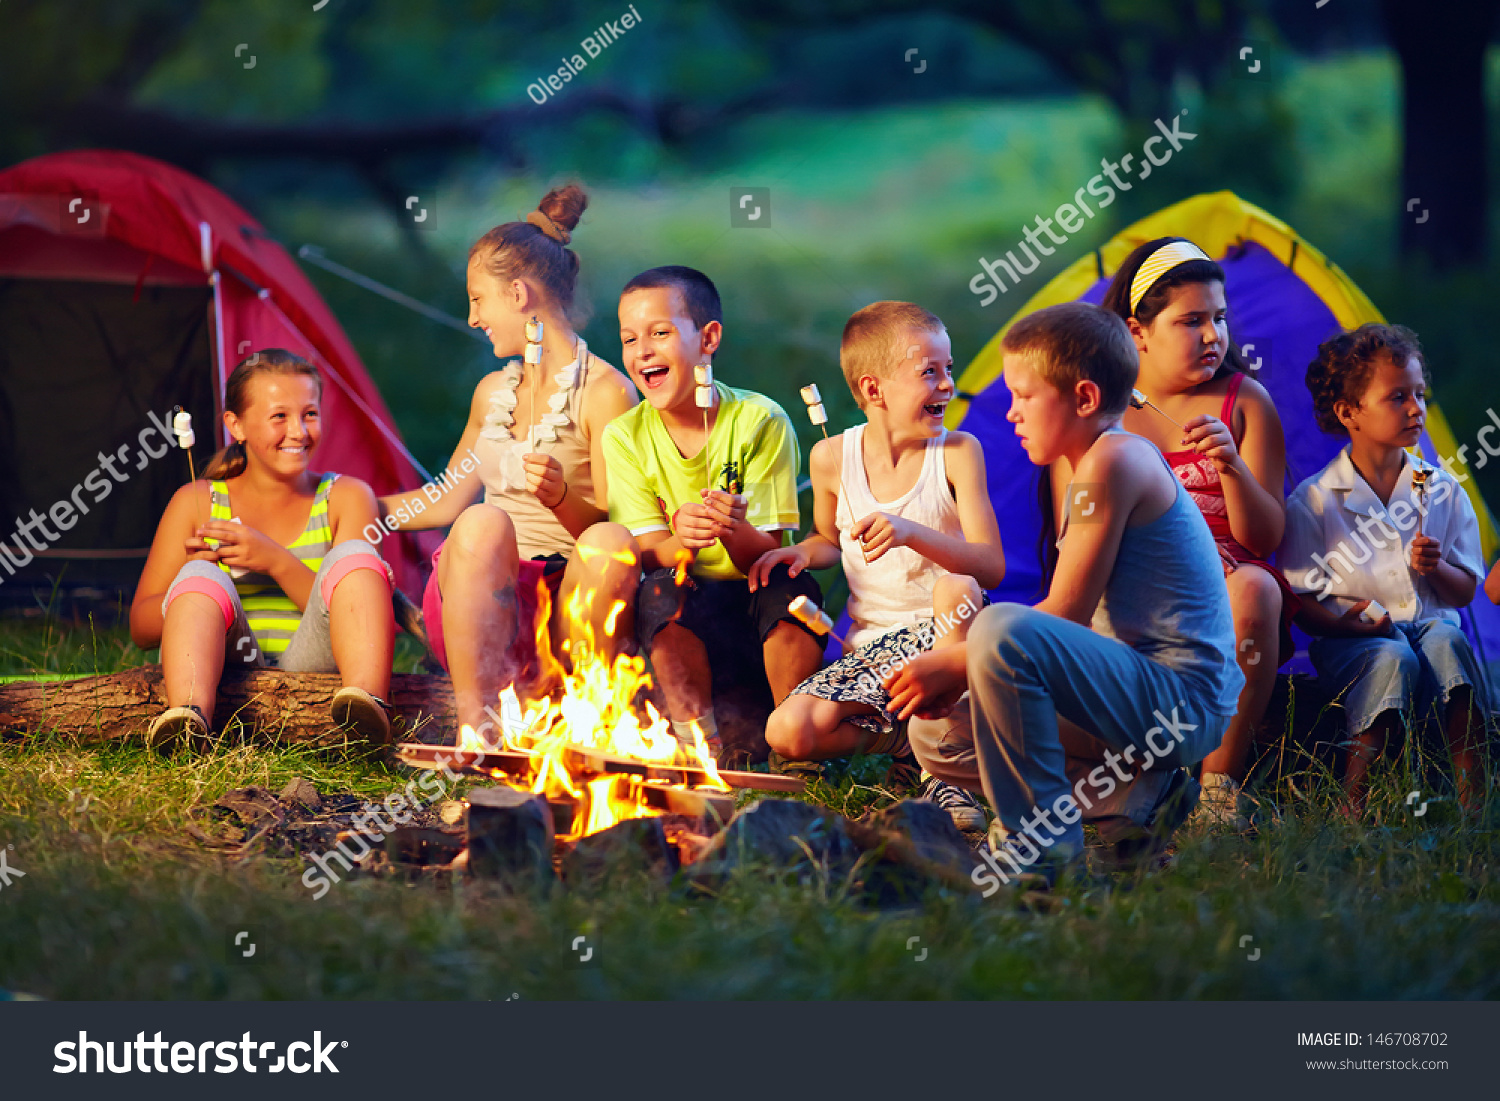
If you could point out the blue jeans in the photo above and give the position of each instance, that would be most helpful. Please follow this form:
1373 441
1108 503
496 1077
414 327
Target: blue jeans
1417 667
1026 670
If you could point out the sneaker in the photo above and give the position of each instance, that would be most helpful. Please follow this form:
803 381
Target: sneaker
1024 862
1139 846
1223 803
966 811
368 716
806 770
175 726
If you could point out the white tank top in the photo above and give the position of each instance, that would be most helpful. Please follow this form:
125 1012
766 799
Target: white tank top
897 589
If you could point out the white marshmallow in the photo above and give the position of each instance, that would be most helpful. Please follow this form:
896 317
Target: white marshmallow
533 353
810 394
186 440
534 333
810 615
182 422
817 414
705 397
703 374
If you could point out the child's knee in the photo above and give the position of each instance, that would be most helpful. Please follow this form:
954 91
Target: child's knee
791 730
1254 597
486 533
1000 625
607 544
352 557
953 590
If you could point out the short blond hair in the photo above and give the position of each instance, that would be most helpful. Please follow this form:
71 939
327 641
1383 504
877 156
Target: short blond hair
1075 341
875 341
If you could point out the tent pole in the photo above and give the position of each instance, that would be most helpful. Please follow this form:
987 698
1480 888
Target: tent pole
216 323
348 390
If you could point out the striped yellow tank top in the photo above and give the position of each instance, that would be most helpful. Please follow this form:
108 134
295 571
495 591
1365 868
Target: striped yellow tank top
272 615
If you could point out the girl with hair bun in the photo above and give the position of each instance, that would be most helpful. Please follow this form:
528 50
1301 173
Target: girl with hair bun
278 575
1230 455
1384 549
534 427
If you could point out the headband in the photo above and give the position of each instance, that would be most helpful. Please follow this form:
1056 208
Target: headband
1159 263
549 227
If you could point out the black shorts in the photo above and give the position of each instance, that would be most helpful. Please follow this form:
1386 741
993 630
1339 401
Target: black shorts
725 615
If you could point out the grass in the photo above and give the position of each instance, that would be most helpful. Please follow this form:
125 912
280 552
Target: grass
118 902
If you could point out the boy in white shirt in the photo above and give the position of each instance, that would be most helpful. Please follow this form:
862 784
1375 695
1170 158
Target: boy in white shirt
1384 550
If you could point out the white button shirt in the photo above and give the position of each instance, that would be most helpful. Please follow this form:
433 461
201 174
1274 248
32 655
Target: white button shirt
1342 544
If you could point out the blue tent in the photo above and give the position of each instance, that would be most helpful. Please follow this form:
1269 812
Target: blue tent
1285 297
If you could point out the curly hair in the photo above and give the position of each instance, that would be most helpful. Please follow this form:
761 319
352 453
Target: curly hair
1346 363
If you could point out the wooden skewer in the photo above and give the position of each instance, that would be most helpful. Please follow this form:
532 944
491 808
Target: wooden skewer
1139 399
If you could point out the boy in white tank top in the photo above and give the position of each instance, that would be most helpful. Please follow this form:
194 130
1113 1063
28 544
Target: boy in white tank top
902 503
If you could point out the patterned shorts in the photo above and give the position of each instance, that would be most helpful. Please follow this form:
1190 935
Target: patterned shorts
859 677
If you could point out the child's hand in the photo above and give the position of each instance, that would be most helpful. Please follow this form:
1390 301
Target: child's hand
929 685
879 532
1354 627
242 546
1426 553
795 558
695 526
1210 437
544 479
727 509
198 550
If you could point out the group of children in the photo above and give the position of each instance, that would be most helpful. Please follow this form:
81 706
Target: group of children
1166 462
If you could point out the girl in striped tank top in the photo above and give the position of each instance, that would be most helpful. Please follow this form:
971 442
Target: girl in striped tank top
274 576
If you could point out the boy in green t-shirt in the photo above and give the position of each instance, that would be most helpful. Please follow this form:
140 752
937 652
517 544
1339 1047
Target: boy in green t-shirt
710 638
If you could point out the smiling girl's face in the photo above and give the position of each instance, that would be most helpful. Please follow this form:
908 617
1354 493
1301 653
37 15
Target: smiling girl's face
1185 343
281 424
493 312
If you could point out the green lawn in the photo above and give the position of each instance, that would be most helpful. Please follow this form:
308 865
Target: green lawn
119 902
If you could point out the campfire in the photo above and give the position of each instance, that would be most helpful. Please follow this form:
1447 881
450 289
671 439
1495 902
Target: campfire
595 747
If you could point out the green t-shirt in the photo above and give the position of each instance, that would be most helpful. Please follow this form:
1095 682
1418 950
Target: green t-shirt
751 450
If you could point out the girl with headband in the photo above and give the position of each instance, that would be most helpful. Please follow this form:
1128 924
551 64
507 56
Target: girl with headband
1227 448
535 427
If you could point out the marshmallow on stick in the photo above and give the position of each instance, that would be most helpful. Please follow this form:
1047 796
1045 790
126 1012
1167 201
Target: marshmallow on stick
814 618
182 428
815 411
534 330
1139 400
1419 478
703 375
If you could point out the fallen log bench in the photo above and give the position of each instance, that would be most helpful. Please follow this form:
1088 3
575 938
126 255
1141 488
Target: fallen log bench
267 705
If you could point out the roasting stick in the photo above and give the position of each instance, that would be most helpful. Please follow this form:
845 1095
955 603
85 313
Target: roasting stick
819 416
182 428
1139 400
1419 478
703 375
534 365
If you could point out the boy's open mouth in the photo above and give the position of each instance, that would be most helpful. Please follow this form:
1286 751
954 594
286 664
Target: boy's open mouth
651 376
935 409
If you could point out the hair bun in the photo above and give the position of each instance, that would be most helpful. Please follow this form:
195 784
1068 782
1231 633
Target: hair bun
558 213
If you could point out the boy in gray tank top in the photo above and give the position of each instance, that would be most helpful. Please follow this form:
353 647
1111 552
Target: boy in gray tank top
1132 648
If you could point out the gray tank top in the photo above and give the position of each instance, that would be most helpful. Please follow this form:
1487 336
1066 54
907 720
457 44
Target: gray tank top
1166 599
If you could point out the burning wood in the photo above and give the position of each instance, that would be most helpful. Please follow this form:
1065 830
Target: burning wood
595 750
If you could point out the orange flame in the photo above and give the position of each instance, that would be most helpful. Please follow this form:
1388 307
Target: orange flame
680 572
595 709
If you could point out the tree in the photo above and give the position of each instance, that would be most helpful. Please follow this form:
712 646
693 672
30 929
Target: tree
1444 166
